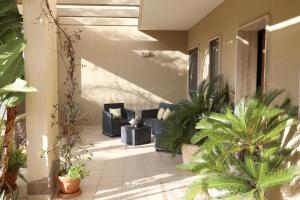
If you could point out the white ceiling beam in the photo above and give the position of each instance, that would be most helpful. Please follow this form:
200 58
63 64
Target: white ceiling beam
97 11
100 2
96 2
86 21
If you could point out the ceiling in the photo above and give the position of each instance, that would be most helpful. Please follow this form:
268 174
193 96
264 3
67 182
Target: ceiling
97 12
99 2
146 14
174 14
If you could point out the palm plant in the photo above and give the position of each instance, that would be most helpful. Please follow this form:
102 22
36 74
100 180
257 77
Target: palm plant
250 126
180 126
12 87
245 153
269 97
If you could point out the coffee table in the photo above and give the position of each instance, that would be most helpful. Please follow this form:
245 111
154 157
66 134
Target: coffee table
135 135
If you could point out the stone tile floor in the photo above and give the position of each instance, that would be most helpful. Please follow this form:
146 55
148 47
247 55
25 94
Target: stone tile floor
120 172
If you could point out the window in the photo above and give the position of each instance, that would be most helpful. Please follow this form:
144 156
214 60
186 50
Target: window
193 70
214 53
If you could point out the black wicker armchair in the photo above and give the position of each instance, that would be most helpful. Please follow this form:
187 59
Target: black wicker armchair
111 126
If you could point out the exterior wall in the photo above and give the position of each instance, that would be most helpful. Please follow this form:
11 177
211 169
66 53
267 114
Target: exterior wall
283 55
111 69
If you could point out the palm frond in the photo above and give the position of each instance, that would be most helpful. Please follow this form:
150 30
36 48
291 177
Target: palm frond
242 152
198 186
278 178
228 183
180 128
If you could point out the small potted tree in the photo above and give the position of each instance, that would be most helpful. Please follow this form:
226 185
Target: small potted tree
72 154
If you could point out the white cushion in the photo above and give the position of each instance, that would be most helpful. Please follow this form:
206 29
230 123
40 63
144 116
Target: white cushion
116 113
167 113
160 113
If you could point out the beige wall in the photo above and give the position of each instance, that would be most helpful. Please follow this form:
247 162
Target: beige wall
111 69
284 60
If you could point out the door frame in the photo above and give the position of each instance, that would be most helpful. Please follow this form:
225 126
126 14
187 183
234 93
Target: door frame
242 56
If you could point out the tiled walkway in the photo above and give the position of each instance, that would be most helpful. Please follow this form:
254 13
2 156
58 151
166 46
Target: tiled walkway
120 172
131 173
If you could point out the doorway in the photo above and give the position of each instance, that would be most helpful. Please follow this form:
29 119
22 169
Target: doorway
251 65
261 65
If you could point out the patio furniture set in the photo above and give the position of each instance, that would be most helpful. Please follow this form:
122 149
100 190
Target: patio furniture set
116 123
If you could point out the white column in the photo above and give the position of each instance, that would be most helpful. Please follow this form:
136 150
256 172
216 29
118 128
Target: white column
41 72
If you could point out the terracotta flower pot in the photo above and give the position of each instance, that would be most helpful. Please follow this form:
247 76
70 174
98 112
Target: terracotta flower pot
68 185
11 178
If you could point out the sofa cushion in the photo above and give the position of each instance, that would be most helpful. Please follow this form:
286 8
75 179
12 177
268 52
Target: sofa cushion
167 113
160 113
172 107
116 113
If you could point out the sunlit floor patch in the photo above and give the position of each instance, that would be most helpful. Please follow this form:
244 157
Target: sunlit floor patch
121 172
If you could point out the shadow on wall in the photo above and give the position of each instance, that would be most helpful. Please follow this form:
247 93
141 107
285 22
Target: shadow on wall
113 70
99 85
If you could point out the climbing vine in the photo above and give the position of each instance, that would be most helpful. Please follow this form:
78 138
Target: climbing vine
70 111
69 146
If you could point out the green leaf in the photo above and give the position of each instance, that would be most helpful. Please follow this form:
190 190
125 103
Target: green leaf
198 186
278 178
16 70
6 6
224 156
19 86
229 183
275 133
267 153
194 167
9 52
14 99
241 196
250 166
199 136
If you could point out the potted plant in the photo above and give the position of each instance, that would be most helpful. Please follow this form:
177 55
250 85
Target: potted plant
17 160
72 153
180 126
246 153
70 183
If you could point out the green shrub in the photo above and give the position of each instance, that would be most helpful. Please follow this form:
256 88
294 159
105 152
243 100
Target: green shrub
180 126
77 171
245 153
17 158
